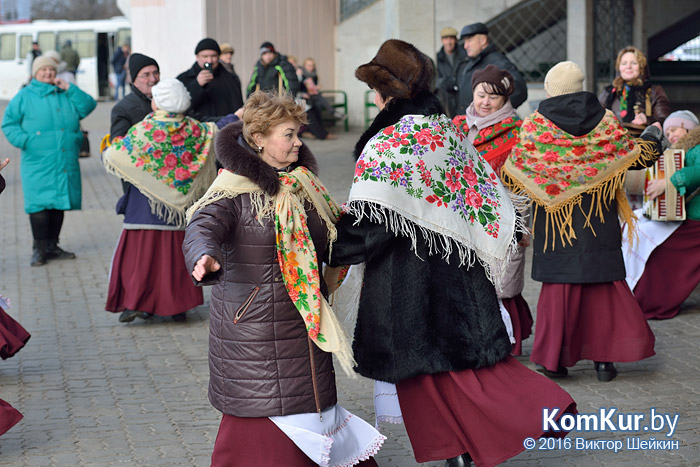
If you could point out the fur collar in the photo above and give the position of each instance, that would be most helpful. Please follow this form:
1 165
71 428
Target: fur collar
690 140
236 155
425 103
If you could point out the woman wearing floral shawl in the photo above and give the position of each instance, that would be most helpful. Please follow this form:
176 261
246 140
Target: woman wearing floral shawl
258 236
492 126
571 161
434 227
168 161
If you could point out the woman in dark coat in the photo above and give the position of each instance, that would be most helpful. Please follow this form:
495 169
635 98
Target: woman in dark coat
571 160
258 236
12 338
432 223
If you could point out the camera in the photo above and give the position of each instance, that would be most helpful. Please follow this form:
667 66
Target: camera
207 66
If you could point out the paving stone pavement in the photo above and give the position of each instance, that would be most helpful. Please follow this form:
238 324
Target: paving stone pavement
95 392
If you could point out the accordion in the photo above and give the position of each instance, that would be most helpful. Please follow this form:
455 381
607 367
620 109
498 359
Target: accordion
669 206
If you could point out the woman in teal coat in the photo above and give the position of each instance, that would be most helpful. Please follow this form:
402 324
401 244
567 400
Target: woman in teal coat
43 120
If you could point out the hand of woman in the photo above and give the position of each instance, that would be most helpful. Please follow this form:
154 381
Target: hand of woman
525 240
204 266
4 163
59 83
640 119
656 187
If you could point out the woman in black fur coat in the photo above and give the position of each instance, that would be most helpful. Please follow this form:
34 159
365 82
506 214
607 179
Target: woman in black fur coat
432 225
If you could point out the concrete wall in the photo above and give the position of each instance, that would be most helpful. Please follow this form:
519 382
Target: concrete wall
167 30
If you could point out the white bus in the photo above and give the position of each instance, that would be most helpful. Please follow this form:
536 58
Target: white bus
95 41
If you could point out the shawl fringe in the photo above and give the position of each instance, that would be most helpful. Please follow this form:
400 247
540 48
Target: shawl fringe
161 208
560 217
437 241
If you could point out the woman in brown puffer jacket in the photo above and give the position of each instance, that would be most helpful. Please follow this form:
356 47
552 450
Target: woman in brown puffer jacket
258 236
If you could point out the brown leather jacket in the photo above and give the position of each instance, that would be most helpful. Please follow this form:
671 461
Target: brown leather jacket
261 361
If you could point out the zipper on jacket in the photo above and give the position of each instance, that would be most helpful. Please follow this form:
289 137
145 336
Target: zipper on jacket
313 378
244 307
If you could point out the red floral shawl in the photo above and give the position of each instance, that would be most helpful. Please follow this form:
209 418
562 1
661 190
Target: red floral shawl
555 169
493 142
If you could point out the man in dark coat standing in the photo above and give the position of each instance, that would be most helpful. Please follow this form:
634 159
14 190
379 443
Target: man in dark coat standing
448 60
214 91
133 108
480 53
271 70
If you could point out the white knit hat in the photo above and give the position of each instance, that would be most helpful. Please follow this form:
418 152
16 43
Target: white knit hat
42 61
171 95
682 119
563 78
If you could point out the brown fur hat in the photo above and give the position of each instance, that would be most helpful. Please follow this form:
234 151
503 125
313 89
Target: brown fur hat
398 70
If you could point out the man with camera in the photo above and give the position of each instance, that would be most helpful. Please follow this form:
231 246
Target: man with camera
214 91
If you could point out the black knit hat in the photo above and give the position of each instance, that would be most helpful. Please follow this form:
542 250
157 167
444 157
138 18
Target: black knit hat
500 82
267 47
207 44
398 70
137 62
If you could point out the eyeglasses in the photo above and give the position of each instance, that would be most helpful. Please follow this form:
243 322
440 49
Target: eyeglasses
147 76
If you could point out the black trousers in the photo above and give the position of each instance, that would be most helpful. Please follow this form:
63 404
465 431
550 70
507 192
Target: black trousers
46 225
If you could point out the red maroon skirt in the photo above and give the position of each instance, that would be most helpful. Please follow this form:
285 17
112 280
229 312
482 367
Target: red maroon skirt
600 322
246 442
661 294
521 318
12 336
9 416
486 412
149 274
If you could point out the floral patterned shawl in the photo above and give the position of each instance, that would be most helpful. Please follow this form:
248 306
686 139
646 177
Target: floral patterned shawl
296 252
555 169
495 141
169 158
421 174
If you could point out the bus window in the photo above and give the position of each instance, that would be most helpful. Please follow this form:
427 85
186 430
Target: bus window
86 44
47 41
83 42
7 46
25 45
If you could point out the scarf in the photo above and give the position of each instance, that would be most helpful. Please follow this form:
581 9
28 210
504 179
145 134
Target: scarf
555 169
296 253
421 174
494 137
169 158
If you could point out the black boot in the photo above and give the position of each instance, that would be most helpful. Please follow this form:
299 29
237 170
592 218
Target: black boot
605 371
460 461
53 251
38 253
561 372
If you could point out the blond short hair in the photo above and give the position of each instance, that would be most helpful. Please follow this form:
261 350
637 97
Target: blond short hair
618 82
264 110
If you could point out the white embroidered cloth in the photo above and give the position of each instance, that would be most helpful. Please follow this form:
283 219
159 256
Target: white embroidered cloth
650 235
336 439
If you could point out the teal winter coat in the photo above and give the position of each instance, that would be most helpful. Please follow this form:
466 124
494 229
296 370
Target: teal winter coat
44 122
687 180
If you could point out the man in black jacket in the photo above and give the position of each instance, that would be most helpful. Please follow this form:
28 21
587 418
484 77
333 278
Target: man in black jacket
480 53
214 91
271 70
133 108
448 60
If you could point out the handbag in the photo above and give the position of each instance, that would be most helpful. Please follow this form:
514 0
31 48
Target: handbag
85 147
